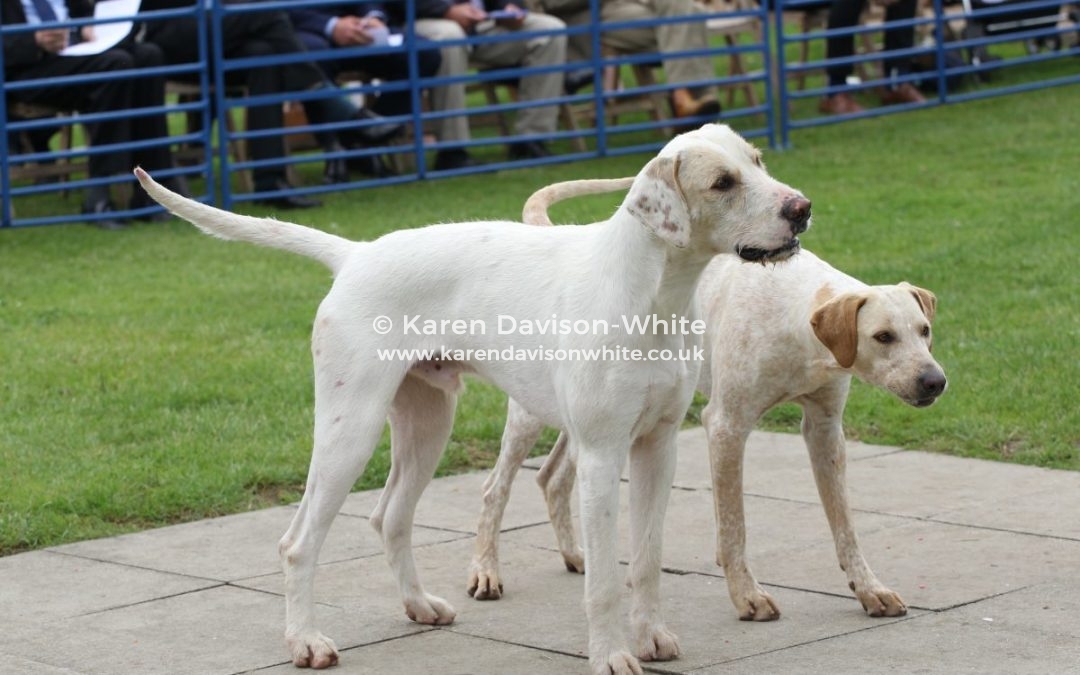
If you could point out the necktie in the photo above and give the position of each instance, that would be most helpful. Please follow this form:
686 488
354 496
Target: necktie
44 10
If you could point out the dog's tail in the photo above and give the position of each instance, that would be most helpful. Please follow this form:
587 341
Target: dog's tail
536 206
329 249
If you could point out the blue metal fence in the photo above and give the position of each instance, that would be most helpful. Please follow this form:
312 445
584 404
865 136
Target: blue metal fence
773 119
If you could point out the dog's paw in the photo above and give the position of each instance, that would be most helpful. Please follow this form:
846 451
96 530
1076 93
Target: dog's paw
430 610
756 605
484 583
616 663
881 601
575 562
312 649
657 643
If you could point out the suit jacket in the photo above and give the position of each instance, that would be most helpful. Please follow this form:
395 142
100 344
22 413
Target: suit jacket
20 50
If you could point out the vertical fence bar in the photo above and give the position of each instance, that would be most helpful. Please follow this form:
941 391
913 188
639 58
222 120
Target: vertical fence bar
939 53
781 75
415 92
217 65
598 67
6 202
767 68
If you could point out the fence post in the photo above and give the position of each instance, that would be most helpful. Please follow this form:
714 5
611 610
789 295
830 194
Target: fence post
6 206
216 62
781 75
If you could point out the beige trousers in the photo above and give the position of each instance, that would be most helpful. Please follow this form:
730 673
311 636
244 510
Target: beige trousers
539 51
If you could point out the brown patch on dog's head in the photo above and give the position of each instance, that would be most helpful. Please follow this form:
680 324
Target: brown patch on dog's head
836 325
927 300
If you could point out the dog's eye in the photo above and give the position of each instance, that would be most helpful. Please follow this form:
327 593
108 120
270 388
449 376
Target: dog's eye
724 183
926 331
885 337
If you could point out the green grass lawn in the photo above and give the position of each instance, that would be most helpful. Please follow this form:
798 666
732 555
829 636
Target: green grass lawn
158 375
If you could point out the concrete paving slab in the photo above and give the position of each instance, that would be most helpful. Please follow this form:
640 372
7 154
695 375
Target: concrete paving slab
45 586
450 653
1054 512
234 547
1028 631
219 630
454 502
932 565
15 664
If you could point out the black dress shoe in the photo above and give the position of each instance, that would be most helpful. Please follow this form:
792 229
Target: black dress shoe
336 171
529 150
372 134
446 160
103 206
287 202
370 165
576 80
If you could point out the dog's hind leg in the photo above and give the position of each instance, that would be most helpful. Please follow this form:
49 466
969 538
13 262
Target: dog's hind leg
350 414
421 419
519 436
822 429
556 479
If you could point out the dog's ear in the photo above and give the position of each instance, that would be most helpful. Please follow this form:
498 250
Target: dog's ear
927 300
656 200
836 325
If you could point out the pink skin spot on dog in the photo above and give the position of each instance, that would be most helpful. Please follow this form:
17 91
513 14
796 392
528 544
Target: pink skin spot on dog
337 419
668 224
339 383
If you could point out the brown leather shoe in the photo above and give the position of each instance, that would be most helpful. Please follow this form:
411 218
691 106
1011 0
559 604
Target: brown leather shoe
683 104
839 104
904 93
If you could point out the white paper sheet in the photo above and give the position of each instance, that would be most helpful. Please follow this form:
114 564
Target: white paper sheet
107 35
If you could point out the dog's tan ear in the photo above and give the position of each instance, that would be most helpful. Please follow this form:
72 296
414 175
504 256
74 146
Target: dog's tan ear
656 200
927 300
836 325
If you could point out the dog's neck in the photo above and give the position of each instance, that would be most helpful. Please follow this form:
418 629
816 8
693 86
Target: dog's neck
664 277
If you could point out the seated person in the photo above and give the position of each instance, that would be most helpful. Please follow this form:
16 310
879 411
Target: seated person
267 34
356 25
35 56
455 20
693 101
845 14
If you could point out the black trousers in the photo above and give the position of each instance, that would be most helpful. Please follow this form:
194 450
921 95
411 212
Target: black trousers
387 67
845 14
248 35
109 95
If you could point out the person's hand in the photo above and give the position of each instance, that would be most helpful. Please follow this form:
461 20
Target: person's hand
54 40
465 15
515 22
351 30
87 33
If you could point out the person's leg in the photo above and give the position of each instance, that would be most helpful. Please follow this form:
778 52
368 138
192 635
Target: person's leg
149 92
104 96
394 67
546 50
842 14
455 62
897 39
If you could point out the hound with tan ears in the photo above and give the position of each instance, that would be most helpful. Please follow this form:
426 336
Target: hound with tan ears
793 332
706 194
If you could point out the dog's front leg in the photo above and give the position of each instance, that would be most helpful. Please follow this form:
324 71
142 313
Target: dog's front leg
727 443
598 471
652 469
822 429
519 436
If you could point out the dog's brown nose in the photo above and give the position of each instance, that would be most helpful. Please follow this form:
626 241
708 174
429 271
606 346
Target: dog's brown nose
796 211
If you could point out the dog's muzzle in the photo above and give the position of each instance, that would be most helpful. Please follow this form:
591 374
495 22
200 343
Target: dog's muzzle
930 384
796 211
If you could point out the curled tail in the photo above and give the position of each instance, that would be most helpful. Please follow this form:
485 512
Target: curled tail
329 249
536 206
